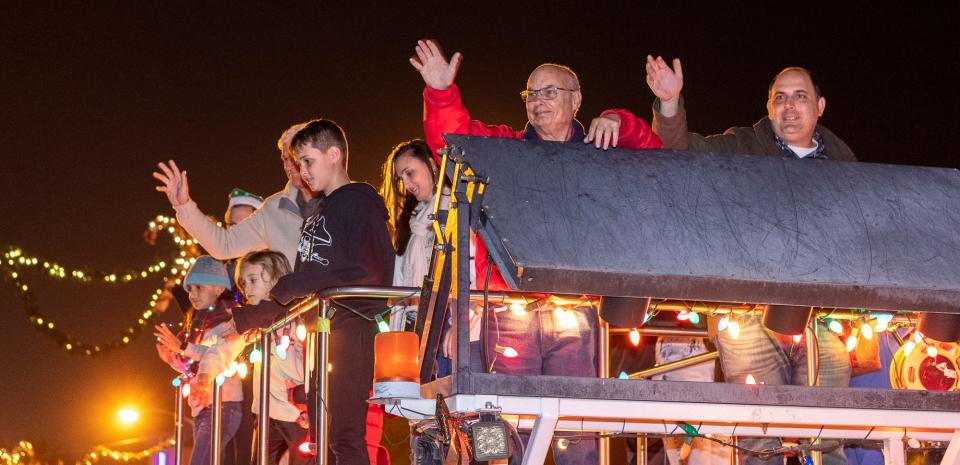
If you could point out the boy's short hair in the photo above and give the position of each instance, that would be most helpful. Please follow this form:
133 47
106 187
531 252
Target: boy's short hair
321 134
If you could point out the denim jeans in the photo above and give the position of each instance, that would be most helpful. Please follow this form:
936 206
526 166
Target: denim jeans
671 349
203 431
776 359
547 343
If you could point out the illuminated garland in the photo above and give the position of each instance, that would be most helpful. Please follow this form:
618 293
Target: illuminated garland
15 263
20 455
103 452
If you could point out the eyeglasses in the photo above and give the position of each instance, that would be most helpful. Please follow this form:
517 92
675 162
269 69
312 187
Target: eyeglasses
547 93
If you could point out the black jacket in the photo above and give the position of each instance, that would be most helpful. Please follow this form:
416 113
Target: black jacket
344 243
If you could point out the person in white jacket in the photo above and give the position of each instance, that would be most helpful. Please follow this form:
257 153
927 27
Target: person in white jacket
275 226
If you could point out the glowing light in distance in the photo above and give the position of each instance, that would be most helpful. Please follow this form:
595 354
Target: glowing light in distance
128 415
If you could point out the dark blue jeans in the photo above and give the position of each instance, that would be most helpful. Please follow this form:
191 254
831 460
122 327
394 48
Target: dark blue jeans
550 342
773 359
203 431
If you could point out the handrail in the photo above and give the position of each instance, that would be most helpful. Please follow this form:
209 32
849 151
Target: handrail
389 292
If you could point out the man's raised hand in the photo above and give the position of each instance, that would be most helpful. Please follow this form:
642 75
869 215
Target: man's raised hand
436 71
665 82
174 183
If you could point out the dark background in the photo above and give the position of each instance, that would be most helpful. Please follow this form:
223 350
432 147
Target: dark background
93 94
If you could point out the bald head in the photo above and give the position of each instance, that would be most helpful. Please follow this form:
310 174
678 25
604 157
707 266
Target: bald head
551 114
564 73
795 70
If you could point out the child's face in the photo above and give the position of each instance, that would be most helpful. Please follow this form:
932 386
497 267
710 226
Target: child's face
203 296
255 282
318 168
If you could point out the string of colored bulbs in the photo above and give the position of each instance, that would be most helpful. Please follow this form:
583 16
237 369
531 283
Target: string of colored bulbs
15 264
104 452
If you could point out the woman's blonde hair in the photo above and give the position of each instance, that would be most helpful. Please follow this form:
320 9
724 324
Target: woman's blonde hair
275 265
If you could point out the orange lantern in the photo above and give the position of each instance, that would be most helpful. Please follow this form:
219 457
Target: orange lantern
396 357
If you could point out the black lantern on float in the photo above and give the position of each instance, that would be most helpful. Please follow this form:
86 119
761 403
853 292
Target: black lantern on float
787 319
943 327
625 312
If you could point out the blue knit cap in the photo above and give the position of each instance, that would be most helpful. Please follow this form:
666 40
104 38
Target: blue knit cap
207 270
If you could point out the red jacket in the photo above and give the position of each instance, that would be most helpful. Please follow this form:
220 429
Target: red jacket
444 113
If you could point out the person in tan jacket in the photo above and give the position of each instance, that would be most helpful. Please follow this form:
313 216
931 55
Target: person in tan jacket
275 226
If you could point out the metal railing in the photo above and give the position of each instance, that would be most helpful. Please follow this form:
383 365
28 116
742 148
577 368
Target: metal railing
316 350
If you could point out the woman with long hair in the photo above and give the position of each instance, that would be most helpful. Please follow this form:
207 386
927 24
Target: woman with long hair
410 177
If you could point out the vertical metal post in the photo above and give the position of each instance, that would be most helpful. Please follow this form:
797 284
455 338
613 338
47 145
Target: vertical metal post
736 456
263 420
323 389
216 420
641 449
813 372
461 321
178 426
603 362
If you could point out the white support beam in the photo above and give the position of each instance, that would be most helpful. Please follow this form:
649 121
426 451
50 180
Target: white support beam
542 433
545 415
952 456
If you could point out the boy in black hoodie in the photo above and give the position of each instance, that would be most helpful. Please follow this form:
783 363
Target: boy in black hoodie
344 243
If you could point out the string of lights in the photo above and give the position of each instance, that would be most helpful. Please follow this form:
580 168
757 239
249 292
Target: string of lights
16 264
104 452
22 454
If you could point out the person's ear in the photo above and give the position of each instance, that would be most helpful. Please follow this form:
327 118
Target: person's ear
821 105
335 154
577 100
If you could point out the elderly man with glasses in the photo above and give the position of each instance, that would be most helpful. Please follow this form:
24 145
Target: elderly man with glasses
552 98
551 340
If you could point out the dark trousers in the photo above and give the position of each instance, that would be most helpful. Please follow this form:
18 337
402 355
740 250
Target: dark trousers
351 378
242 442
286 436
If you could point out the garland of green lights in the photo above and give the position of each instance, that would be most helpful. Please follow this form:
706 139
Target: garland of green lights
15 264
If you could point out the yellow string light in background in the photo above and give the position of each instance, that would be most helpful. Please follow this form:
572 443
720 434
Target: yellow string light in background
15 263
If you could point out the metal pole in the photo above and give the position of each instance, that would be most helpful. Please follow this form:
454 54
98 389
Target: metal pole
813 372
668 367
603 359
263 421
216 420
178 426
461 324
323 390
641 449
653 331
737 456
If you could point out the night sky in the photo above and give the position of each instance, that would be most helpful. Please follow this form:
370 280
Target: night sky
93 94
